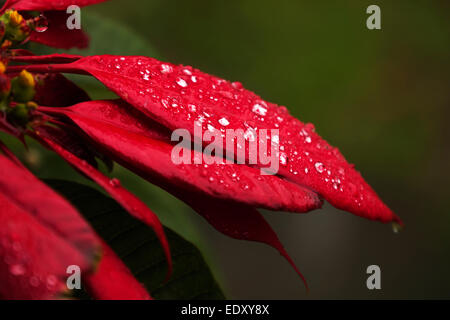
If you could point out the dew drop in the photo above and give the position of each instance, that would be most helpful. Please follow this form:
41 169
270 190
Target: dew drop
236 85
114 182
245 186
165 68
165 103
224 122
283 159
182 83
396 227
51 281
259 109
17 269
319 167
41 24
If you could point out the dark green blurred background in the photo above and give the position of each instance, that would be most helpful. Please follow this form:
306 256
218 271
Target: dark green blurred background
381 96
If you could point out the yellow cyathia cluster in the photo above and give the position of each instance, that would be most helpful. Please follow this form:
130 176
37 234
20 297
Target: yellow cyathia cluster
14 28
16 96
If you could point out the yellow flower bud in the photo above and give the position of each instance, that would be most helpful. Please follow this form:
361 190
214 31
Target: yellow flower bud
2 68
31 105
15 18
22 87
6 44
26 79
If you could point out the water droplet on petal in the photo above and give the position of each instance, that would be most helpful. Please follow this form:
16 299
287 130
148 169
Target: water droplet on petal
41 23
283 159
192 107
114 182
236 85
224 122
182 82
245 186
17 269
165 68
396 227
319 167
51 281
259 109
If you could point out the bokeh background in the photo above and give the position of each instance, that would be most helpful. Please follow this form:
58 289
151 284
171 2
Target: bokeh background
381 96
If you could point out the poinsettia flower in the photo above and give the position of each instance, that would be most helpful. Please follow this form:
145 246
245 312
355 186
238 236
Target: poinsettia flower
136 134
135 131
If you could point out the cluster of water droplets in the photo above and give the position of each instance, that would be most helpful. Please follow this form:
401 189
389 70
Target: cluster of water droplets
188 97
225 176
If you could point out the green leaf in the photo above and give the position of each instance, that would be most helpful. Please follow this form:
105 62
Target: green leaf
136 244
107 37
